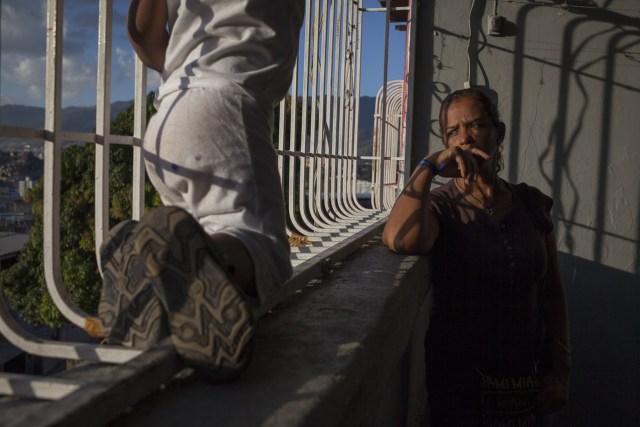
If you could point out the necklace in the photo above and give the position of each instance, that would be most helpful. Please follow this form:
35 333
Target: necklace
488 210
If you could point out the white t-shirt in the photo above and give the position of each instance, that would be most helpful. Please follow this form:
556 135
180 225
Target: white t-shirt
252 43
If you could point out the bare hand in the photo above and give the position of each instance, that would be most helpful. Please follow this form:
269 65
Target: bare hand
553 393
458 162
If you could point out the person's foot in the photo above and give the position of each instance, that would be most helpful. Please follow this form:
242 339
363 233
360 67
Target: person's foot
209 317
130 313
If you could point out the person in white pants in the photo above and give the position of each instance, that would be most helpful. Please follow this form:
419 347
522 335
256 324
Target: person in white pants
194 269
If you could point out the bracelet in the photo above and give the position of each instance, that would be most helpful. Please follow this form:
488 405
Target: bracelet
428 164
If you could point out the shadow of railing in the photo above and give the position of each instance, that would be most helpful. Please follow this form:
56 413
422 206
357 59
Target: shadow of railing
563 140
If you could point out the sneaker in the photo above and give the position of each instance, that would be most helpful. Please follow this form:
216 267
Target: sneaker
129 311
209 317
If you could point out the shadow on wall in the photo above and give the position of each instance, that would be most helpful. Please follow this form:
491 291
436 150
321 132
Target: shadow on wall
566 135
605 334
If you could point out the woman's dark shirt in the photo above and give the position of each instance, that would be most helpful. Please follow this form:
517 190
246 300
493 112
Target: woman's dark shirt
488 282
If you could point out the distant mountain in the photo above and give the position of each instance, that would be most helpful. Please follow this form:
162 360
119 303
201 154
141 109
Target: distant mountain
365 125
83 119
74 119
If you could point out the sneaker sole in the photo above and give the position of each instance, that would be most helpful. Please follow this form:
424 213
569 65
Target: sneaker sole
210 319
130 313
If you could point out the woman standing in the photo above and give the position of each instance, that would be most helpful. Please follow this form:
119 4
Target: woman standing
497 349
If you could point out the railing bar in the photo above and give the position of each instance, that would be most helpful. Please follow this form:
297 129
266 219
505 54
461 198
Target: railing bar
349 110
20 132
139 128
31 344
338 96
376 153
384 98
281 130
321 176
346 100
391 196
313 81
303 131
328 129
409 88
384 9
326 110
307 143
311 201
358 76
335 102
34 133
353 118
341 120
292 143
34 387
396 158
102 124
321 205
78 137
52 164
398 104
315 155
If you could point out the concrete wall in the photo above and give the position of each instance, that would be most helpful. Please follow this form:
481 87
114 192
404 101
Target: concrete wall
568 88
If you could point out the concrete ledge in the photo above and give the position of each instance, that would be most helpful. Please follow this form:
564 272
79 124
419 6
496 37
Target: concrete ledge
337 353
346 350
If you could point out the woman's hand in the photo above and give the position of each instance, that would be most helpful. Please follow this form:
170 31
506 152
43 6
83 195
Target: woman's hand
457 162
554 392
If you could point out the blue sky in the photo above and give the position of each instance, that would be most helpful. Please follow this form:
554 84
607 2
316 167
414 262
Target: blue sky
23 38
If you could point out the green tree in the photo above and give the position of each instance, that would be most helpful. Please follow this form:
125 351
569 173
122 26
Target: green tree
24 283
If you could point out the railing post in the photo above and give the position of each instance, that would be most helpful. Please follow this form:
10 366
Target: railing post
408 90
103 120
53 164
139 127
383 145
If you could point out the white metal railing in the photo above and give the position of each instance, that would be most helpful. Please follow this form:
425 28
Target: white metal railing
317 158
387 175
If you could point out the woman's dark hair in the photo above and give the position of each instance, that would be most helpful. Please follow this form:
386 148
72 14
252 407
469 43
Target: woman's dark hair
490 108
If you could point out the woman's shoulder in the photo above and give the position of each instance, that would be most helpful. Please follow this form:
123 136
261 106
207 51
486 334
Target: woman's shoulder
537 204
531 193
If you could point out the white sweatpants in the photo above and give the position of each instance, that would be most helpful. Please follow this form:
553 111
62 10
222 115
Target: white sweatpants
209 151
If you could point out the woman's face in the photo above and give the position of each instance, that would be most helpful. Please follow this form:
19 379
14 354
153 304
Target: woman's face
468 126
